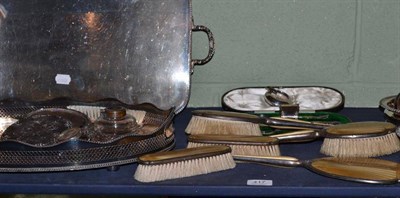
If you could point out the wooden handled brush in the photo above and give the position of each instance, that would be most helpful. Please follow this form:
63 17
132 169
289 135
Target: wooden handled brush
224 122
365 170
357 139
183 163
240 145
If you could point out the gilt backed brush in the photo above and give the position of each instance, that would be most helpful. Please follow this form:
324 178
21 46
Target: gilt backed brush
233 123
357 139
364 170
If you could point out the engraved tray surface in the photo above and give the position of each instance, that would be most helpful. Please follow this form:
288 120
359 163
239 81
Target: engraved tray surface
132 52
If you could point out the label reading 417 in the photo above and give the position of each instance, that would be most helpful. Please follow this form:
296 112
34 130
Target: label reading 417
259 182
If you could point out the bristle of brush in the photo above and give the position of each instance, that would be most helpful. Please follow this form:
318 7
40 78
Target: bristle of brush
94 112
138 115
184 167
254 150
202 125
361 147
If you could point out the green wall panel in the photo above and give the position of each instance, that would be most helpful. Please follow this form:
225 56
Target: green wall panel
351 45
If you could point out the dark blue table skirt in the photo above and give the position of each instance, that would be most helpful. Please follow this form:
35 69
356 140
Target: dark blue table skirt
289 182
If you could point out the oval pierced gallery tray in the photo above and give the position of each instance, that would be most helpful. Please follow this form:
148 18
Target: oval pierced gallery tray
80 84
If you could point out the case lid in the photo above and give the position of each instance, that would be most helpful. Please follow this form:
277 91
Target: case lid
134 51
308 98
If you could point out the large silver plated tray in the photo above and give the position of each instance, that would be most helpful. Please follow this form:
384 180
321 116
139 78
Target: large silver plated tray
96 54
135 51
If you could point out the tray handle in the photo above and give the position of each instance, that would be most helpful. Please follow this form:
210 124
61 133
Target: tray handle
211 43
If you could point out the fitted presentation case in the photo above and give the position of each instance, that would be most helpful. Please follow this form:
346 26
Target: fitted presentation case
55 54
308 98
309 103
